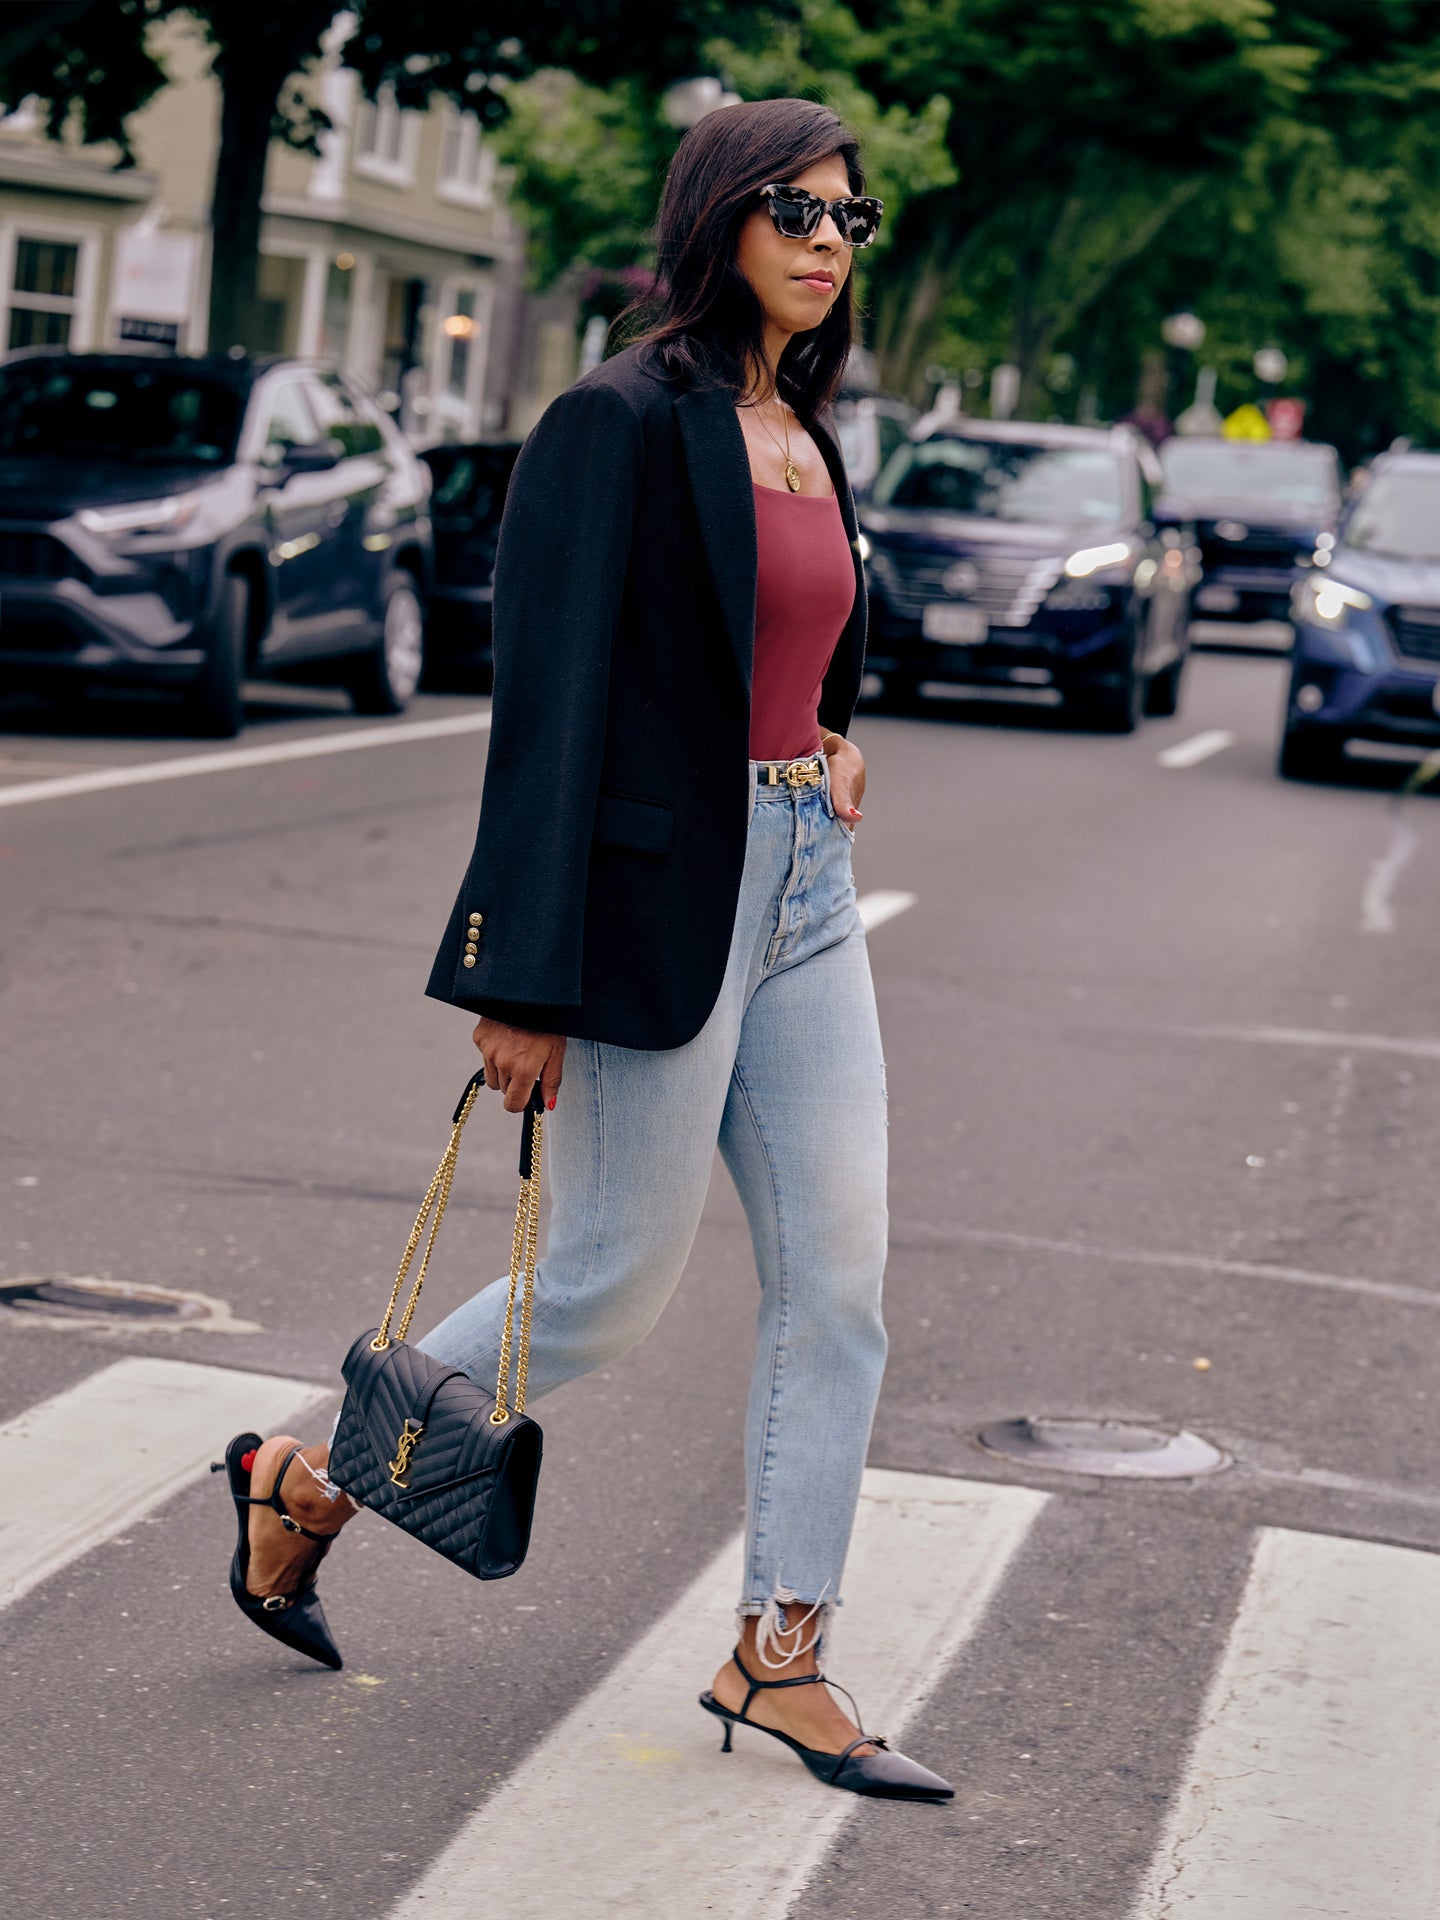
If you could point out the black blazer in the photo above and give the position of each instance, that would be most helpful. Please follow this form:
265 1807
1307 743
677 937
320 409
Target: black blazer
600 898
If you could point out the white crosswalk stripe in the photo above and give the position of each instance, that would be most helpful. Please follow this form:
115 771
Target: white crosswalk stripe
81 1468
628 1808
1314 1785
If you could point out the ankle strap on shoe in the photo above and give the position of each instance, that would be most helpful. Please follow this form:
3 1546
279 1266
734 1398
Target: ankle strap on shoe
755 1686
277 1505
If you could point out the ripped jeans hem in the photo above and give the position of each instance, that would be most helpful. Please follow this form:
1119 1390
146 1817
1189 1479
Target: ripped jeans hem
785 1614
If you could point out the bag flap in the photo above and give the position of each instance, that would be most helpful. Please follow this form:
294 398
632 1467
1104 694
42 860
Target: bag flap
402 1384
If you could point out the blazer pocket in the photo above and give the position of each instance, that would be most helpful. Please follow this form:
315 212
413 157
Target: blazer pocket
641 826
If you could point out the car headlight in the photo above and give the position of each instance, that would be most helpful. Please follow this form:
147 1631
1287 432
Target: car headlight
141 516
1329 602
1091 559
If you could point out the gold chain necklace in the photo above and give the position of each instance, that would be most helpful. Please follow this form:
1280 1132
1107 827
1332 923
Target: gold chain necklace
792 472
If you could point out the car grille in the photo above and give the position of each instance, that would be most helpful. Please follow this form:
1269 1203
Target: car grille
26 555
1415 632
1009 590
1258 547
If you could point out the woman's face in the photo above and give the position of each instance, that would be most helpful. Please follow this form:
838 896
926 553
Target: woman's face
797 281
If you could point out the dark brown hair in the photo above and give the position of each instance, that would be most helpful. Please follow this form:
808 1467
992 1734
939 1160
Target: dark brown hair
705 324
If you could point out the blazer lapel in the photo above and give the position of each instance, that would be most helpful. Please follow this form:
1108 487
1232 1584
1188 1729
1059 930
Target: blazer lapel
719 469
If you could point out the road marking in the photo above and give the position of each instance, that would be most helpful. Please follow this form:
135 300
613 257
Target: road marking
1377 902
191 765
1319 1037
628 1806
1189 753
81 1468
882 905
1313 1787
1195 1263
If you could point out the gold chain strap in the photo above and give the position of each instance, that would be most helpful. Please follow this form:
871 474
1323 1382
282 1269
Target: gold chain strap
524 1251
524 1248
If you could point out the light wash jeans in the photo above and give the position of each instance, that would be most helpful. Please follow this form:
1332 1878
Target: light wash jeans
787 1076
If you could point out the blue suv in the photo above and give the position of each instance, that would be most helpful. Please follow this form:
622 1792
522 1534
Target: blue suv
1367 625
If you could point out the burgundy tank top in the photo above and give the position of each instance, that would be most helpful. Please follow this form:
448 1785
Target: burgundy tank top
804 591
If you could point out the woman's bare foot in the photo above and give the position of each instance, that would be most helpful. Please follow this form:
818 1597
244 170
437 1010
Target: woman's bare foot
281 1561
811 1715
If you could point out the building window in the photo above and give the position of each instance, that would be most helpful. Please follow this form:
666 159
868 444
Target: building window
467 165
44 292
386 139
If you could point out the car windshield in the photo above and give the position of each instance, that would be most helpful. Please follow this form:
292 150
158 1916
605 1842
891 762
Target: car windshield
1289 475
161 414
1398 517
1005 480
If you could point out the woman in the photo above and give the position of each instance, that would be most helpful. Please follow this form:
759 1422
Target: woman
660 909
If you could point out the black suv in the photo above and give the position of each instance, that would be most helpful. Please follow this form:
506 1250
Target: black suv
1259 510
181 523
1008 554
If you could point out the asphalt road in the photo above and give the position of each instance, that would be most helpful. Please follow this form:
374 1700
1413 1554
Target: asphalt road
1164 1062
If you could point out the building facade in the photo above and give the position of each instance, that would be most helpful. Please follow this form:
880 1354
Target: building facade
392 254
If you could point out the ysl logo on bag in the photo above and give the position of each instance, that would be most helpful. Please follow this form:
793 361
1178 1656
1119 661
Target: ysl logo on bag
409 1436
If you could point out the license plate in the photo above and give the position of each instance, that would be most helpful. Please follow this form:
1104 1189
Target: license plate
946 621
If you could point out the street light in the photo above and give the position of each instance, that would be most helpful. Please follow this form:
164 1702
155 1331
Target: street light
1183 330
1183 333
1270 366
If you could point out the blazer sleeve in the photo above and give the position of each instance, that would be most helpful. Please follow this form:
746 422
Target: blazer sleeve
515 934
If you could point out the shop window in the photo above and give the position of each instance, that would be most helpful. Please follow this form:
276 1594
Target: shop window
44 297
467 165
386 139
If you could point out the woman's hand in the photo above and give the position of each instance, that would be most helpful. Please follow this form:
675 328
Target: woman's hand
515 1059
847 778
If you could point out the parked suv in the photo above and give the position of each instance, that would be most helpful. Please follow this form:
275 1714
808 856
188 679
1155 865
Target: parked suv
1011 554
470 481
181 523
1367 625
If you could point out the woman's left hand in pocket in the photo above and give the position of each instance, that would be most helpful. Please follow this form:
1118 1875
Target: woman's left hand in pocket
847 780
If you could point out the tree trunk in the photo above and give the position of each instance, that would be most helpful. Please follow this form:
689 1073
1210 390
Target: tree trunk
258 48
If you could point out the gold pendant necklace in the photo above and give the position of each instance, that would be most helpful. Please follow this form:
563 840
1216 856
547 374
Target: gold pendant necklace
792 472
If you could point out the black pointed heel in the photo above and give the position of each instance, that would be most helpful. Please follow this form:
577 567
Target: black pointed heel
884 1775
297 1619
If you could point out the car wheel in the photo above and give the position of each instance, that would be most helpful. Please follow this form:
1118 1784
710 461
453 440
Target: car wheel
899 693
384 679
215 705
1162 696
1115 709
1311 753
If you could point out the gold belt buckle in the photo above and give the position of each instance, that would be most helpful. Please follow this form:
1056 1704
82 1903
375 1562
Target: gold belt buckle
802 773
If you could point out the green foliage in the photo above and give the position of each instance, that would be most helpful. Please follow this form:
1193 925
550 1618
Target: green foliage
587 163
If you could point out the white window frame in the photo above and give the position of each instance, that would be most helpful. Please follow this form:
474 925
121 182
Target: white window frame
383 112
81 306
476 155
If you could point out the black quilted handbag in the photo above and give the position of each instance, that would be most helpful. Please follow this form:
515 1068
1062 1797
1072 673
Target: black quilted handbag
419 1442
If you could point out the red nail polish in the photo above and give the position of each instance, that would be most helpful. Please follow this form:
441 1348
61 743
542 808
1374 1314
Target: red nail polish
550 1105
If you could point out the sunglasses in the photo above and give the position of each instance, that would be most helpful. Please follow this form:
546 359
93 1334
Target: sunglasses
797 214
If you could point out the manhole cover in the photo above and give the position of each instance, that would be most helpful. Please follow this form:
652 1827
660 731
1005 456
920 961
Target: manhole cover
60 1301
1116 1449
